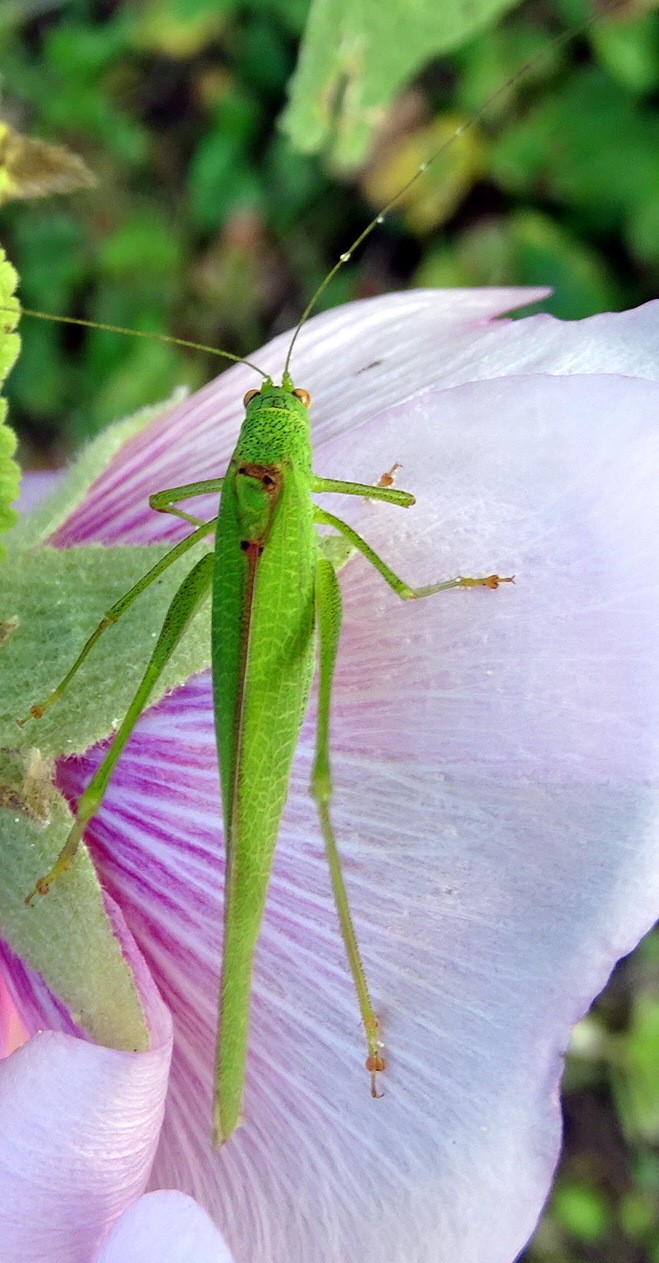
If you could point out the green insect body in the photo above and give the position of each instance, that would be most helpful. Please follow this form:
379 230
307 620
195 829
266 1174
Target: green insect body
276 609
275 596
276 600
265 562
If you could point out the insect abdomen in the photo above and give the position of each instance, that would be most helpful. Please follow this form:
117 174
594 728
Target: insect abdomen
263 612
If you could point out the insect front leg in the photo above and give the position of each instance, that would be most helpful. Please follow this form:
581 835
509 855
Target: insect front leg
162 501
400 587
374 491
328 622
184 606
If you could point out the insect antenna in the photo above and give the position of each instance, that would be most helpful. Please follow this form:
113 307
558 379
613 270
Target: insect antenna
139 333
561 40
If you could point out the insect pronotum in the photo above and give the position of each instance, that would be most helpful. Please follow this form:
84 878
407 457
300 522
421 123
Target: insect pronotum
267 553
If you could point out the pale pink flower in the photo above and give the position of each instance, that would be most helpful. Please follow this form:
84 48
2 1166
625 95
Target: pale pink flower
495 761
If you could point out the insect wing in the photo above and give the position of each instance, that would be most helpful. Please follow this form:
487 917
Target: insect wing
262 669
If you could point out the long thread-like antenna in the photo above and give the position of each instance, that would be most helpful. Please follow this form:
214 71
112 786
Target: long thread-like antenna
606 10
505 88
139 333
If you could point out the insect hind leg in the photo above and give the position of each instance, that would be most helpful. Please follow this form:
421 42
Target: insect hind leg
400 587
328 620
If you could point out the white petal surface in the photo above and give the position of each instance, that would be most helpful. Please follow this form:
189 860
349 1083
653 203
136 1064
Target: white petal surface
35 486
79 1127
496 805
166 1226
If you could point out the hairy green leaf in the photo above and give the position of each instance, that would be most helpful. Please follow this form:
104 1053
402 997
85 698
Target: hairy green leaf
52 599
67 935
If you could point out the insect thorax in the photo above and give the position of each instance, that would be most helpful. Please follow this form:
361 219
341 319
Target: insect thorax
276 428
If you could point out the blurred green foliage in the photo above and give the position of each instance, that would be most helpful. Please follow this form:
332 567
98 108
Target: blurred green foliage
355 58
206 223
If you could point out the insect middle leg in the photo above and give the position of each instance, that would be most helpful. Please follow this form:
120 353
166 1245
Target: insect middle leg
162 501
114 613
399 585
391 495
328 621
184 606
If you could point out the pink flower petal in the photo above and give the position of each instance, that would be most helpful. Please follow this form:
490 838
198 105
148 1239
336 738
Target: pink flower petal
166 1226
79 1128
493 760
12 1030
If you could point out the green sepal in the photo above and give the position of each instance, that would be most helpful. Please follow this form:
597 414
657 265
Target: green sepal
50 602
67 935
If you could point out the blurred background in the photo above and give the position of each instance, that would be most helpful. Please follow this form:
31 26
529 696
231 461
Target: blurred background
211 219
230 155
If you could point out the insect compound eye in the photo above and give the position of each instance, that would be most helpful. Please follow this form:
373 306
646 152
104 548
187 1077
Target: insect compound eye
303 396
251 394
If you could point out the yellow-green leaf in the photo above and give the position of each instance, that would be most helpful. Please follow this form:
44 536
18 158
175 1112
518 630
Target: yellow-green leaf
32 168
10 474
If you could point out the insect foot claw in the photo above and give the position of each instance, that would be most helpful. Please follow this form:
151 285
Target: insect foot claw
42 886
375 1063
488 581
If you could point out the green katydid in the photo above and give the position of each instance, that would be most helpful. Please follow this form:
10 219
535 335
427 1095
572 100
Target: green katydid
275 592
276 614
